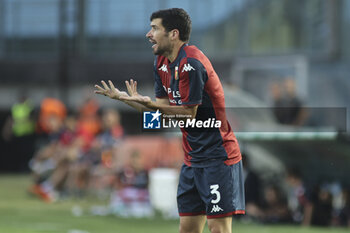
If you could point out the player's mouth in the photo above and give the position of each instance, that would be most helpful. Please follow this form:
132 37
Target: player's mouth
154 43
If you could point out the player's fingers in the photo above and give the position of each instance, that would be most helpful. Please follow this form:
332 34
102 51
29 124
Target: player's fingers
99 88
135 87
105 85
111 85
132 85
100 92
128 87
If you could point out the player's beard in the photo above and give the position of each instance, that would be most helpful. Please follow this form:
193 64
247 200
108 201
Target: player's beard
164 50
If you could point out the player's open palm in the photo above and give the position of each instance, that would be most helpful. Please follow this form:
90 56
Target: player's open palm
110 91
133 94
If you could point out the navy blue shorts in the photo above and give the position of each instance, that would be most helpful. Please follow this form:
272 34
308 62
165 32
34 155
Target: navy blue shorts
216 191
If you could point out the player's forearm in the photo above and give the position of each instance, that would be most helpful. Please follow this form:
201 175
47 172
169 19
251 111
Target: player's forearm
172 110
137 106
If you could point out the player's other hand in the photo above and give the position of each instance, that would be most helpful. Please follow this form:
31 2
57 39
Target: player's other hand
110 91
133 94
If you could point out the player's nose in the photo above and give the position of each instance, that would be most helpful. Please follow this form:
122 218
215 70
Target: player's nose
148 35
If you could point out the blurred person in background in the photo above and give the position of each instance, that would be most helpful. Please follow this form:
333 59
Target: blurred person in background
275 207
89 120
52 114
131 198
87 127
321 206
253 190
186 84
288 107
296 112
298 201
42 165
95 169
19 133
51 164
344 216
277 101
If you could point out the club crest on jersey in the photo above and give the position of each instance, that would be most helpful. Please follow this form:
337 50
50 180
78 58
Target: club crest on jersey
176 72
187 67
163 68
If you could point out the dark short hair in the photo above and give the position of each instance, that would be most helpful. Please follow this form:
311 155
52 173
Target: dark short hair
175 18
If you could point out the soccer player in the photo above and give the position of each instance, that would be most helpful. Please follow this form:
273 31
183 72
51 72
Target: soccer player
210 185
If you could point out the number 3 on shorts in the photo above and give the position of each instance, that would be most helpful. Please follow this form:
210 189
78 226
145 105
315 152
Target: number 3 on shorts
214 190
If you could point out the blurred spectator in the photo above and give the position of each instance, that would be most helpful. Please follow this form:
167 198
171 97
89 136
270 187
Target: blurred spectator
66 163
344 216
253 189
52 115
112 129
288 108
298 202
97 162
277 98
275 207
89 120
131 198
321 207
18 132
51 164
20 123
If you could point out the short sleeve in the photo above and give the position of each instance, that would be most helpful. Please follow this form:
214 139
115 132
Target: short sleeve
193 77
158 86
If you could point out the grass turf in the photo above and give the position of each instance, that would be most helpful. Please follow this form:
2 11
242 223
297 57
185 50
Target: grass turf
20 213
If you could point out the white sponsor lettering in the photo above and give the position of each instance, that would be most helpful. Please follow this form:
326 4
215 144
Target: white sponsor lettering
176 94
193 123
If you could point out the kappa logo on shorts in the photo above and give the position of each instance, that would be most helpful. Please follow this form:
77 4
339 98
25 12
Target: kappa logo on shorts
216 208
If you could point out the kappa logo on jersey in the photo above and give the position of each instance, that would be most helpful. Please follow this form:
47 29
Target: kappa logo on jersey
163 68
151 120
216 208
187 67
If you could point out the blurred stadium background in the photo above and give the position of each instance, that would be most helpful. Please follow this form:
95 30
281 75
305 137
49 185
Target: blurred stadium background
285 67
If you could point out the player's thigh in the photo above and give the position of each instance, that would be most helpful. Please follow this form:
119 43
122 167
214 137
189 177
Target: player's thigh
192 224
220 225
188 199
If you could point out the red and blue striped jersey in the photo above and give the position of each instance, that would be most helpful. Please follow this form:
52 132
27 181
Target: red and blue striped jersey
191 80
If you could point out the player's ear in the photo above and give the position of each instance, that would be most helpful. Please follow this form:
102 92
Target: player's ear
175 34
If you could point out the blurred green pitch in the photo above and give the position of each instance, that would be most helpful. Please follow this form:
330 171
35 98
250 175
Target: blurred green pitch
20 213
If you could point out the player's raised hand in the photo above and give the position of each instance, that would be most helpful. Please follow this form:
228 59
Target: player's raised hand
132 87
110 91
133 94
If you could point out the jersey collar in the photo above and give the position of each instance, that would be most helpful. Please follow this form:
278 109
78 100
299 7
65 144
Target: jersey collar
179 56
